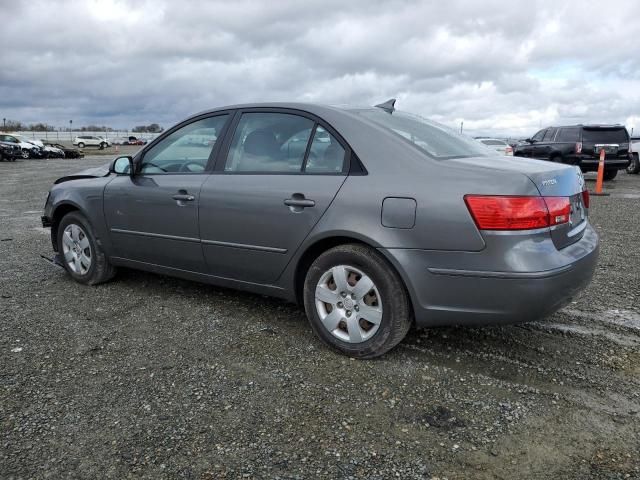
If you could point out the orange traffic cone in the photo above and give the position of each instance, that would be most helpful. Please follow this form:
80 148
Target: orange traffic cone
600 175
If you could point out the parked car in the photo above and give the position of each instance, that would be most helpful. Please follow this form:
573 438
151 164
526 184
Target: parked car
500 146
67 151
580 145
27 149
82 141
9 152
137 141
634 165
396 219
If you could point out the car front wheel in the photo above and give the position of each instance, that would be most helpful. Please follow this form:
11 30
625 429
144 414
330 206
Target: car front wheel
609 175
356 302
634 166
25 154
82 256
81 145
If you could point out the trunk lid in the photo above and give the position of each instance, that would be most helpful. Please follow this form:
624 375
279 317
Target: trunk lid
552 180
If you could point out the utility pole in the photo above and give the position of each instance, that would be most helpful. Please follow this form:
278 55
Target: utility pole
461 126
4 124
70 130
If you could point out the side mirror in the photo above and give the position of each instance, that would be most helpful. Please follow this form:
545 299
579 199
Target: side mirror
530 140
122 166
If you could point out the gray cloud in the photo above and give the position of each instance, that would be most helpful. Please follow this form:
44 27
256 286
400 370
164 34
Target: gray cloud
502 67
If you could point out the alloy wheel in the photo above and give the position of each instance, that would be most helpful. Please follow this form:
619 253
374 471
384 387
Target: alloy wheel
348 304
76 249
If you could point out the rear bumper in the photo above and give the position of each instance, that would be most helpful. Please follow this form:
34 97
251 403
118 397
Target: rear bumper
590 164
457 296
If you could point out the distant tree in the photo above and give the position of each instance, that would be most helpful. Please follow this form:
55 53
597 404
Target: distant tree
13 126
153 128
40 127
96 128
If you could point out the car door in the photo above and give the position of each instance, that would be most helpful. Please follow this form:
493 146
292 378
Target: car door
542 149
275 179
153 216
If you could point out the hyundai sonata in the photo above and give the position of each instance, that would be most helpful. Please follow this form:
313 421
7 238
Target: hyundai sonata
371 218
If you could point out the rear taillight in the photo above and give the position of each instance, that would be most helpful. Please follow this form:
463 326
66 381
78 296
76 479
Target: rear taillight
578 147
517 213
585 198
559 209
508 150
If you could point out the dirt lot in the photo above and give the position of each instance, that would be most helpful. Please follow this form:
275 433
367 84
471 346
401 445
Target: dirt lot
153 377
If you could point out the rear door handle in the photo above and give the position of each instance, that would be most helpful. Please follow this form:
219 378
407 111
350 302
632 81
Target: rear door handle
299 202
183 197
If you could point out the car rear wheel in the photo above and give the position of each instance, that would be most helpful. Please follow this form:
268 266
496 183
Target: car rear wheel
610 174
356 302
82 257
102 145
634 166
81 145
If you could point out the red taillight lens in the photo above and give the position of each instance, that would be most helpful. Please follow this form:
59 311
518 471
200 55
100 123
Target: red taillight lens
578 147
517 213
585 198
509 149
559 209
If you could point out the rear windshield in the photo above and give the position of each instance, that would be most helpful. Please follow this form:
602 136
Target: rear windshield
436 140
493 142
618 135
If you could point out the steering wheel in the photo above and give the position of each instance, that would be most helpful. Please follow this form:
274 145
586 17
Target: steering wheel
185 167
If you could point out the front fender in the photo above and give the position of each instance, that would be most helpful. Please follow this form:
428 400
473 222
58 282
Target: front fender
84 196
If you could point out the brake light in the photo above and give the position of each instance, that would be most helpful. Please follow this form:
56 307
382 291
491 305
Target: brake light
517 213
578 147
509 149
559 209
585 198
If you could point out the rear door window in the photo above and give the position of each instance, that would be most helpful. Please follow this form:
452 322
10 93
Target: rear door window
326 155
568 135
267 142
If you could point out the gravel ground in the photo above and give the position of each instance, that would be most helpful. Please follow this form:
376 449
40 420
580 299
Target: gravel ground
149 376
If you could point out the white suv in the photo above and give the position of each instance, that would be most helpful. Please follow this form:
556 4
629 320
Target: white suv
91 141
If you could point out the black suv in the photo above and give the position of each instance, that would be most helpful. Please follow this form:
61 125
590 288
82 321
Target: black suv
580 145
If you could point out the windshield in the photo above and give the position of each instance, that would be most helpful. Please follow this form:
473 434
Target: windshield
618 135
436 140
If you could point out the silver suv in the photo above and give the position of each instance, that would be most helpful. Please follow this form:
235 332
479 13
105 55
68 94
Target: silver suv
91 141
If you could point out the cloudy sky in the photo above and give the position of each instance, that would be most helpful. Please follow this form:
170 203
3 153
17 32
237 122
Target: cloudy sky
502 67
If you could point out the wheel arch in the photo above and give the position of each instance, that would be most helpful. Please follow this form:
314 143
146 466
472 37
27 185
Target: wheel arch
318 246
58 214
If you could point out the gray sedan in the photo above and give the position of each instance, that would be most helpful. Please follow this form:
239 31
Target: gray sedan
372 219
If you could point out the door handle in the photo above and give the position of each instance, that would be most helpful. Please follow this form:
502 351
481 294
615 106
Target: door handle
183 197
299 202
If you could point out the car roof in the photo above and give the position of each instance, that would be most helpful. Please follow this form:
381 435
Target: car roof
590 125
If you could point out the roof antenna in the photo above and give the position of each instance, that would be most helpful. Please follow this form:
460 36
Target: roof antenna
388 106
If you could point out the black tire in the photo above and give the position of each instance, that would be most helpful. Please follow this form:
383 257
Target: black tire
25 154
396 314
81 145
609 175
102 145
100 270
634 166
556 158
